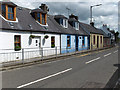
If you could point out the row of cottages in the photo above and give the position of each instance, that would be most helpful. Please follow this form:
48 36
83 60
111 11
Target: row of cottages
34 33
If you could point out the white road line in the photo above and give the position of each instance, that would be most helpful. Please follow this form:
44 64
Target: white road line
107 55
92 60
115 51
45 78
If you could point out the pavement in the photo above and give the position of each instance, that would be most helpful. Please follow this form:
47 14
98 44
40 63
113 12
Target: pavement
90 70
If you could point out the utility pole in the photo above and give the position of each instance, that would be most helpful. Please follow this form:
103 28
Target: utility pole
91 11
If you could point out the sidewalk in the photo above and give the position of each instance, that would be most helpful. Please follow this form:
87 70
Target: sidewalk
33 61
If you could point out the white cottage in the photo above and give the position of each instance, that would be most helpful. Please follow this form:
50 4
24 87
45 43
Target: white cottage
26 33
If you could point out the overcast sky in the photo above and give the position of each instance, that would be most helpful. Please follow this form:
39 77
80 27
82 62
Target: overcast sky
105 14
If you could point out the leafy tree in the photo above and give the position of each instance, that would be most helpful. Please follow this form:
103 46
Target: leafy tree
116 37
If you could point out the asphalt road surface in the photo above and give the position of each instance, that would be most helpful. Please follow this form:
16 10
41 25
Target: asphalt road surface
92 70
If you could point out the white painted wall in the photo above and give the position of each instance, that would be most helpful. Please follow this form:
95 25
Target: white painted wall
31 48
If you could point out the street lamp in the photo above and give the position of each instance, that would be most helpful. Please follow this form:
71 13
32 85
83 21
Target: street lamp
91 11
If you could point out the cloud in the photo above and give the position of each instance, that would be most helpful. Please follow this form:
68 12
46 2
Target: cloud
105 14
69 0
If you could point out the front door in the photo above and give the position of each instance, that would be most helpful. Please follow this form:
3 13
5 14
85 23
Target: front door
76 43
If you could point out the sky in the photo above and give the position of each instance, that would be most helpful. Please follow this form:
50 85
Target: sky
107 13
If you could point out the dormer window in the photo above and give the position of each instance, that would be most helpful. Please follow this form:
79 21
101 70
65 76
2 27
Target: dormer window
9 12
76 25
40 17
40 14
64 23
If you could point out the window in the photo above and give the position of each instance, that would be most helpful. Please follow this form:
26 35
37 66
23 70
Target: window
76 25
83 41
17 42
43 19
68 41
101 39
38 17
64 22
73 24
3 10
52 42
61 21
8 12
94 39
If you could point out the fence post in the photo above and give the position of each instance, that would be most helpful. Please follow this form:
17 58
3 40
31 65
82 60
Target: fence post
23 56
56 51
42 53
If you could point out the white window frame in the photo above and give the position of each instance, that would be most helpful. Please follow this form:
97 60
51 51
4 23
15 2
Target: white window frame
76 26
65 23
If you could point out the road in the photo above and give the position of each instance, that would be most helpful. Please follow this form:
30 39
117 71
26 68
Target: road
92 70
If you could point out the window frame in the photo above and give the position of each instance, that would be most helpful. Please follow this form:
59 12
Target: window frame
53 42
35 16
11 13
69 44
43 19
66 23
17 43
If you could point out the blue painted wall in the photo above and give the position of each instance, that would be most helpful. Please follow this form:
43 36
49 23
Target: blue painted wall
64 48
72 48
80 43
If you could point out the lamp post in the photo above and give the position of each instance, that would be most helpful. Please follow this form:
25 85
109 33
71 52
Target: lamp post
91 11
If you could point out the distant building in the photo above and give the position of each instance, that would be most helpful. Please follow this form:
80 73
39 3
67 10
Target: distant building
105 29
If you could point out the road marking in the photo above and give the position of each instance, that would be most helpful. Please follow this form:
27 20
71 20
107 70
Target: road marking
107 55
92 60
115 51
45 78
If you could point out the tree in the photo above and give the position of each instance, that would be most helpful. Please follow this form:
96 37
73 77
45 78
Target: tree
116 37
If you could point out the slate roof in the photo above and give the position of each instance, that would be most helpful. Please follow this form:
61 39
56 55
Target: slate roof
90 29
8 3
38 10
60 16
70 29
27 23
104 34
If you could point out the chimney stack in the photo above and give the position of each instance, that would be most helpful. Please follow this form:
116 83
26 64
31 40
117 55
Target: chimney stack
44 7
92 24
73 16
